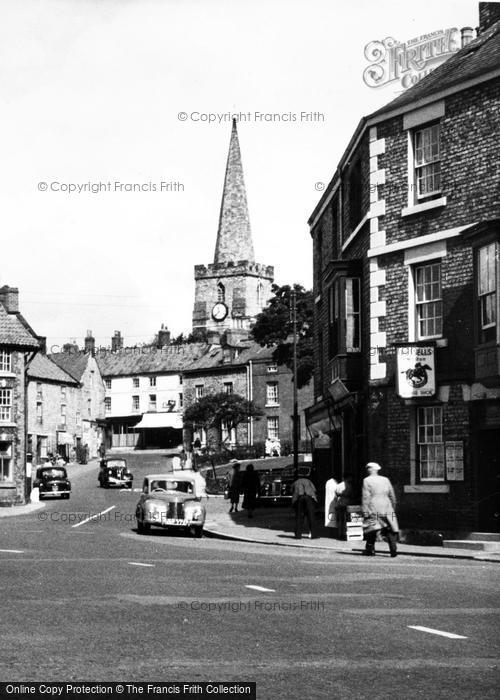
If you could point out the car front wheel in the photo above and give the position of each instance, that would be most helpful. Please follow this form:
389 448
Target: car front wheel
197 531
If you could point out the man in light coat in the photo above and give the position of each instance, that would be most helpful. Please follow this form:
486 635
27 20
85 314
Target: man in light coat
379 510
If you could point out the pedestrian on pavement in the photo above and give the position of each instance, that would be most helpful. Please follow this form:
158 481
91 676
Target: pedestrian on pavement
251 486
304 500
330 514
343 495
234 487
379 510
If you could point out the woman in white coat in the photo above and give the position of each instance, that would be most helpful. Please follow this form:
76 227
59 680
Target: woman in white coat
379 510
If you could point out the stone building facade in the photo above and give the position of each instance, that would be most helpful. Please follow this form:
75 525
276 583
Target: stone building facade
406 262
18 344
231 291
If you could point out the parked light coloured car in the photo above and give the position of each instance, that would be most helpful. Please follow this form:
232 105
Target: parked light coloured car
170 501
52 482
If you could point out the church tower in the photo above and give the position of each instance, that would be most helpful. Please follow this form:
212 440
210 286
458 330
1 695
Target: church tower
231 291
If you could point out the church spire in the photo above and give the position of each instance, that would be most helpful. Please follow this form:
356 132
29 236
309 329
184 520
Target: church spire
234 237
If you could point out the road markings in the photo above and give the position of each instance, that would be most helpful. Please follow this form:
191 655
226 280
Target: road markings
439 632
138 563
12 551
262 589
93 517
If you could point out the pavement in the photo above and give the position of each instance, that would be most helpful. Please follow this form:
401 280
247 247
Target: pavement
87 597
275 526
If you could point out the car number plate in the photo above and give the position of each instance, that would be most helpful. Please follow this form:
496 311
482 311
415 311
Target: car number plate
175 521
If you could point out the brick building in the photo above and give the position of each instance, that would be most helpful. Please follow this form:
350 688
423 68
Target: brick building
406 268
244 367
18 344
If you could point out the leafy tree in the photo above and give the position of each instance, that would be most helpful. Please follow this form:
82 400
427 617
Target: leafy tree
197 336
213 410
273 327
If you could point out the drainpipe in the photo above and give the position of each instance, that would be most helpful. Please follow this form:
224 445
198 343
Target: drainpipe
250 396
27 479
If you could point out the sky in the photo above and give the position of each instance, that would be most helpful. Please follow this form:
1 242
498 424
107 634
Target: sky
107 94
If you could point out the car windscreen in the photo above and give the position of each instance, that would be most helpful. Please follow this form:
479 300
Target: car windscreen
53 473
172 485
116 463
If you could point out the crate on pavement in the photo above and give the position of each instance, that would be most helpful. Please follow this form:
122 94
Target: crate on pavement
354 523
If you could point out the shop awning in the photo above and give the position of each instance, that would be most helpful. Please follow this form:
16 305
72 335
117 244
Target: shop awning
160 420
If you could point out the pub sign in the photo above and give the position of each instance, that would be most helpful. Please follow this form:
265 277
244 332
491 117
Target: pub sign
416 371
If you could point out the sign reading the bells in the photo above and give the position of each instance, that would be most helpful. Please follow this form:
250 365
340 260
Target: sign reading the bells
416 371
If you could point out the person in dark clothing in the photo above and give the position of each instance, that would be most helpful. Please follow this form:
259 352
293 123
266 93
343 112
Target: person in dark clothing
304 500
234 487
251 487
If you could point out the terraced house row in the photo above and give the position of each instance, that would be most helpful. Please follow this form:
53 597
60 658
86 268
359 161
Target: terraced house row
406 271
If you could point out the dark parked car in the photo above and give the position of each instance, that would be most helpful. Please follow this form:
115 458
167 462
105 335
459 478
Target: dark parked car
270 487
52 482
288 477
114 472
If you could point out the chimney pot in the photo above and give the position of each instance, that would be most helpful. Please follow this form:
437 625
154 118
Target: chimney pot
467 35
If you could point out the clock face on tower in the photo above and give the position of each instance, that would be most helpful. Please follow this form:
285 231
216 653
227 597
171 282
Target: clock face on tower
219 311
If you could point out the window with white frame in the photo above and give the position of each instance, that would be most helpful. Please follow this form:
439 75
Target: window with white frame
78 418
228 387
107 404
39 412
5 361
427 164
152 381
428 298
487 291
152 402
135 403
63 392
352 315
272 394
198 391
135 382
39 393
228 433
63 414
5 461
6 405
430 443
107 382
273 427
272 369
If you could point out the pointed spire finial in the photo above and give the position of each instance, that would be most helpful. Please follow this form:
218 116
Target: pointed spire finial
234 236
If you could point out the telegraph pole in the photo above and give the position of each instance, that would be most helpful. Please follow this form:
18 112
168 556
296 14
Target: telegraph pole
295 401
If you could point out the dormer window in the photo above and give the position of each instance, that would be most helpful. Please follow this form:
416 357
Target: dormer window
5 361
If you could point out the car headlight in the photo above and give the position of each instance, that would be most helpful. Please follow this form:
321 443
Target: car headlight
194 513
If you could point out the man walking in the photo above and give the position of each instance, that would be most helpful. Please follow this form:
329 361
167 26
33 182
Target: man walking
304 500
379 510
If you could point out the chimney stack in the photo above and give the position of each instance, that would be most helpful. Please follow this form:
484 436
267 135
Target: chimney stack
163 337
90 343
9 297
213 338
116 342
489 13
467 35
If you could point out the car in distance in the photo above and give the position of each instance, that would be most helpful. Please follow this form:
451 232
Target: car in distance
114 472
270 487
288 477
52 482
170 501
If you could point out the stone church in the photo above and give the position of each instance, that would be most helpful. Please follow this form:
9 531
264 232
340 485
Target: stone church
231 291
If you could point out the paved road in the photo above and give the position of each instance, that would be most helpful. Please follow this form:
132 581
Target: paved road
100 602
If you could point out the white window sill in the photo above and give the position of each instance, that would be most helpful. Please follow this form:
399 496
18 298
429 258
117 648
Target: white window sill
272 405
425 206
7 485
7 424
426 488
8 374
